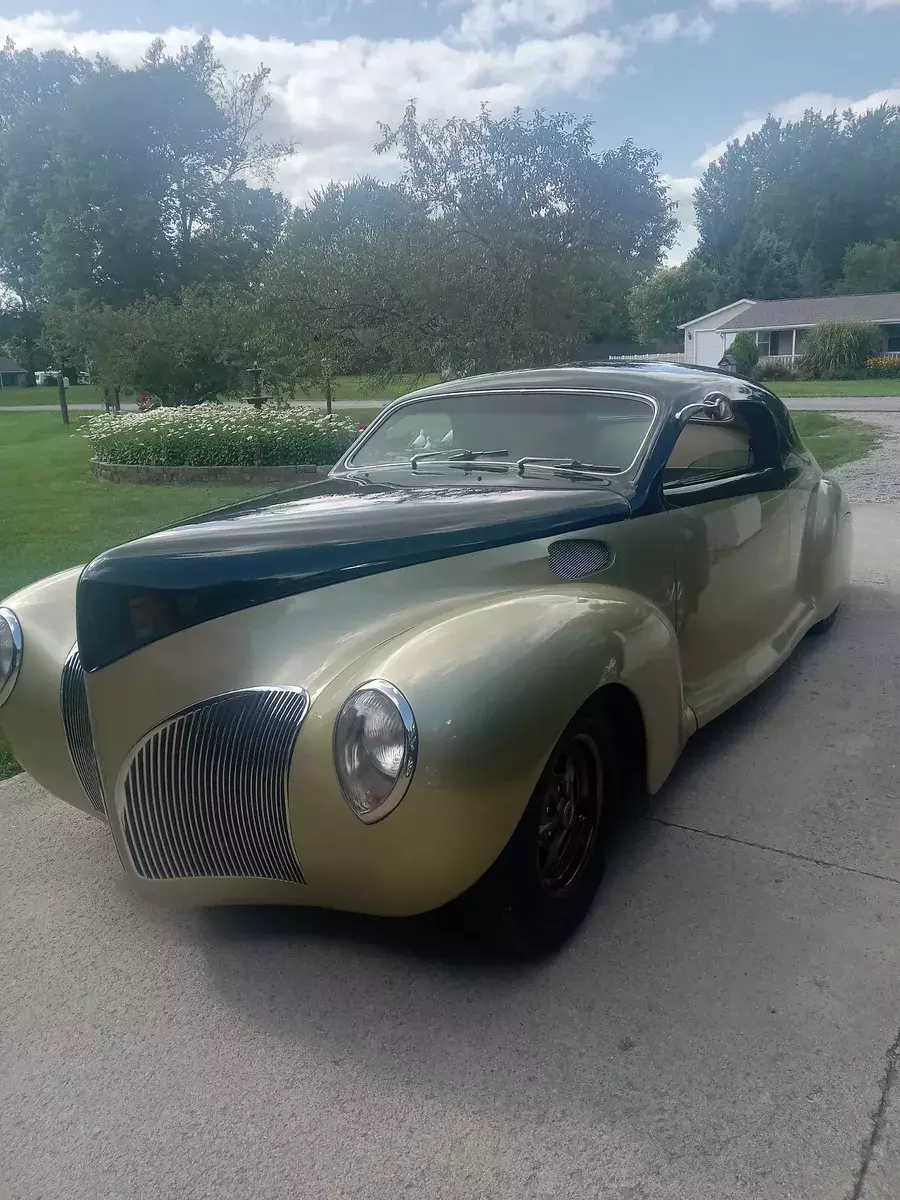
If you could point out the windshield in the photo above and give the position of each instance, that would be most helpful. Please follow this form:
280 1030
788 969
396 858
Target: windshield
597 429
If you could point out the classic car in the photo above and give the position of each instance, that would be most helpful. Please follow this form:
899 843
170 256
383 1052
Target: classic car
434 675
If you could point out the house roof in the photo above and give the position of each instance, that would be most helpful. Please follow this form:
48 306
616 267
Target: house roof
797 314
715 312
8 367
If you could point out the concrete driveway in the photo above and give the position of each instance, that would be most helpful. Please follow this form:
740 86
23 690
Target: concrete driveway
724 1028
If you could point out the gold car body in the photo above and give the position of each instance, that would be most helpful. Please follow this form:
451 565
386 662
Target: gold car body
704 589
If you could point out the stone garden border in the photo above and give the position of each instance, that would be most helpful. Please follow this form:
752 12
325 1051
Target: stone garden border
139 473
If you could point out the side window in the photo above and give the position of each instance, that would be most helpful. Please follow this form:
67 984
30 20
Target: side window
710 450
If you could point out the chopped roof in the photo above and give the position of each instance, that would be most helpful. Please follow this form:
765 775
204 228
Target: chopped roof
786 314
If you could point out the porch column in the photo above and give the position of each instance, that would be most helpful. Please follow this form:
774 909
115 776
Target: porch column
794 345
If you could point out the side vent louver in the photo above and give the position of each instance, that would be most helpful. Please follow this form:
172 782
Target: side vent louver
576 557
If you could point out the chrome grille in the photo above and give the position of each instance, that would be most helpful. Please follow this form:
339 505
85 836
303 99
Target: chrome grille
77 724
206 793
576 557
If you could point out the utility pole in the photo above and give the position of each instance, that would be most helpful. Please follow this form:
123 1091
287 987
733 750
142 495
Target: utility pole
63 404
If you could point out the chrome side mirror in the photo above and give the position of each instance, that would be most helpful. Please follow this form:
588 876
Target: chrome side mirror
715 406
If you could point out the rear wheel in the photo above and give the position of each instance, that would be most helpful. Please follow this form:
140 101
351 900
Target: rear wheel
824 625
542 886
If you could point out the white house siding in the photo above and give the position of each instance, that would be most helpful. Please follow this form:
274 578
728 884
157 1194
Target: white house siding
704 344
709 346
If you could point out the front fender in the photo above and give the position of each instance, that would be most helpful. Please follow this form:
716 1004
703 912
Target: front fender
492 688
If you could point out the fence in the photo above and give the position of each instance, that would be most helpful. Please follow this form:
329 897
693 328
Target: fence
675 357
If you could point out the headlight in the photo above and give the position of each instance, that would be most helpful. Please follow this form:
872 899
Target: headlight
10 651
375 747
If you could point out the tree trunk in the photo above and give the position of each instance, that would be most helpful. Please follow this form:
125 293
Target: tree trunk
63 404
116 402
328 396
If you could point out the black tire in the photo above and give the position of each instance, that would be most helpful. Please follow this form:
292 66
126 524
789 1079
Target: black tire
529 903
825 624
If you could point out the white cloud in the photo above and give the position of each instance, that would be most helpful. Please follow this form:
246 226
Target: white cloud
792 6
328 94
665 27
793 110
483 20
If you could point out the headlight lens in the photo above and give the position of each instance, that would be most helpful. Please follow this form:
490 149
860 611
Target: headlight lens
375 748
10 651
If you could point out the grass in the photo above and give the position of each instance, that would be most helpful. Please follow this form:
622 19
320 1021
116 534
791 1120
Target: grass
346 387
53 515
83 394
835 440
835 387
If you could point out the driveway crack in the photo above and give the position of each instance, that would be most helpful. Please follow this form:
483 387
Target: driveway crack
874 1138
807 858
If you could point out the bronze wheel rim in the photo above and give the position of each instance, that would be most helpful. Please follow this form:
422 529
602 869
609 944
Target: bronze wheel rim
571 810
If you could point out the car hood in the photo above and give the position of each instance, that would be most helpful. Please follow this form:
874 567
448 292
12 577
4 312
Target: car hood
307 538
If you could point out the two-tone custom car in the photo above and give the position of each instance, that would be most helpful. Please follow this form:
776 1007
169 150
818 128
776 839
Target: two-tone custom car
434 674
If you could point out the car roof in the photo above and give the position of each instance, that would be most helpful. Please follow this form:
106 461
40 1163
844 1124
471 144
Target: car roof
667 383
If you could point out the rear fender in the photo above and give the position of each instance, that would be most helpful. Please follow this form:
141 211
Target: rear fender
827 547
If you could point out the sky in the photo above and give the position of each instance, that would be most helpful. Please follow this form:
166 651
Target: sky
680 77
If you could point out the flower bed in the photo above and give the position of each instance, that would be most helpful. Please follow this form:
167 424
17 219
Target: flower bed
220 436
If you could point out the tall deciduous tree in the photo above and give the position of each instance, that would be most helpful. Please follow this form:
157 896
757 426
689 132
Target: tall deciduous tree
817 185
671 297
505 241
871 267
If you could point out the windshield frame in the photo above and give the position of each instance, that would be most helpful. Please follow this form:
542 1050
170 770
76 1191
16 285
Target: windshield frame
347 463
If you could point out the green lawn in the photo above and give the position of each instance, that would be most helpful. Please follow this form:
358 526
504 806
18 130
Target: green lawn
836 387
346 387
834 440
86 394
53 515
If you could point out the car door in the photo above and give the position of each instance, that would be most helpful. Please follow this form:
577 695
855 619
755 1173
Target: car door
726 493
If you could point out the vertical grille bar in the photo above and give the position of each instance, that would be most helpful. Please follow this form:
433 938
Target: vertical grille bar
206 793
77 724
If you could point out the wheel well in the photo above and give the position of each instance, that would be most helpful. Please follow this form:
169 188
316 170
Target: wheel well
619 704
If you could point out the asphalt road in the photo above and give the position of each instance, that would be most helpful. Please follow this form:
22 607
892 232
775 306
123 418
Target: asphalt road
722 1029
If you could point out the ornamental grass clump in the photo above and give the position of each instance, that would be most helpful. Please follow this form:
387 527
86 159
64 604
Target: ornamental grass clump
221 436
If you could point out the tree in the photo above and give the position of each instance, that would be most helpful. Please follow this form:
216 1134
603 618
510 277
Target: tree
506 241
870 267
812 277
119 184
183 348
671 297
817 185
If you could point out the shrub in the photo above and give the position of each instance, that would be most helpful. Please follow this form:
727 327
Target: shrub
221 435
883 368
745 352
838 347
771 371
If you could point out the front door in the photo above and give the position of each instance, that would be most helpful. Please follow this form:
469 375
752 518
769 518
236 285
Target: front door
725 490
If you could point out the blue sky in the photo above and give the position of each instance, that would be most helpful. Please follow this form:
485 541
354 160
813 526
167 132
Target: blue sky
680 77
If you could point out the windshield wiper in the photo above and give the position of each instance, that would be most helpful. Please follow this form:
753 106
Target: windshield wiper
453 455
567 466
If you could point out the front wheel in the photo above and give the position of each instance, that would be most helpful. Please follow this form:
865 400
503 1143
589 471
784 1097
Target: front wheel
543 884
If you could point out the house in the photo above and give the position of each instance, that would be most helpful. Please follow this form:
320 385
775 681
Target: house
781 325
11 374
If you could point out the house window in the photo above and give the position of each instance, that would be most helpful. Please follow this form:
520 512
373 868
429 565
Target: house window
892 341
764 343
